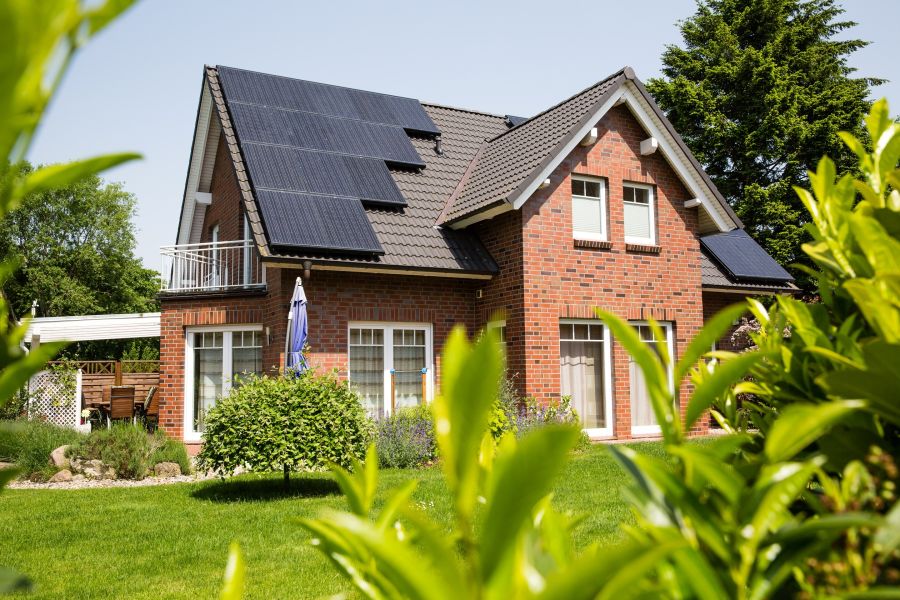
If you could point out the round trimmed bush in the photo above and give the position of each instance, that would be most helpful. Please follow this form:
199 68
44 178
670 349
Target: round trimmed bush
286 424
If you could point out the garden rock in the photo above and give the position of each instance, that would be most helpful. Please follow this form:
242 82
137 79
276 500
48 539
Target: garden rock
58 457
64 475
167 469
93 469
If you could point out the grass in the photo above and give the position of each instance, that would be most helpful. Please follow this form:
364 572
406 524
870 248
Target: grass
172 541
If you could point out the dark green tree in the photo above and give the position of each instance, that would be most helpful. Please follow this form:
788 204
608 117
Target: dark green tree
75 249
759 91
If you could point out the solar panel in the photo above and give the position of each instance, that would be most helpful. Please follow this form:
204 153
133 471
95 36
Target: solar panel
320 132
298 170
742 257
296 94
317 223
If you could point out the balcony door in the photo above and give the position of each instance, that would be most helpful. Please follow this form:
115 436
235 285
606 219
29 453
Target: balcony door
643 419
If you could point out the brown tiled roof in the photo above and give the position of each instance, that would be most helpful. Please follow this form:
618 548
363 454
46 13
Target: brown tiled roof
714 277
511 159
408 235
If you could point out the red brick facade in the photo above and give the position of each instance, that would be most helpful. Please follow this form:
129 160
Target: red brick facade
544 276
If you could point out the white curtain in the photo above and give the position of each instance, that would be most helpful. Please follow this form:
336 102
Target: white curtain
367 377
208 378
641 408
581 377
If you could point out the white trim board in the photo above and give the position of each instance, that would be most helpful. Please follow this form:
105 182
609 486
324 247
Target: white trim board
94 327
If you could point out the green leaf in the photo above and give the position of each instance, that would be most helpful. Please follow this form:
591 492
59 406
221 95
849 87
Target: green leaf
799 425
712 471
469 382
235 571
887 538
878 119
655 374
724 376
521 477
703 342
58 176
17 374
103 15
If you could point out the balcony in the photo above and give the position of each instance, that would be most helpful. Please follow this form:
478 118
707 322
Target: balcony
212 267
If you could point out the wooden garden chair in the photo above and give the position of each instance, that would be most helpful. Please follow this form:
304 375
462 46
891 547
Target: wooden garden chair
121 403
149 411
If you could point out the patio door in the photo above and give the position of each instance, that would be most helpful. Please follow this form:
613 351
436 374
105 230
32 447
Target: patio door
643 419
216 359
389 365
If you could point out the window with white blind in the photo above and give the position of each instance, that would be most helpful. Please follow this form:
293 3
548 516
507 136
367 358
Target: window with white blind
639 219
216 359
588 208
584 365
643 419
390 365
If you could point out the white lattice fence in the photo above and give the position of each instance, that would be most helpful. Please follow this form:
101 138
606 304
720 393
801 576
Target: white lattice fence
55 396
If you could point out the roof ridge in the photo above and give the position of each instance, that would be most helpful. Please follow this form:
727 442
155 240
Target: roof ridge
460 109
461 184
626 70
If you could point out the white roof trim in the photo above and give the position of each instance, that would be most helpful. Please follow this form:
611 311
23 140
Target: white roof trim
201 130
629 95
94 327
567 149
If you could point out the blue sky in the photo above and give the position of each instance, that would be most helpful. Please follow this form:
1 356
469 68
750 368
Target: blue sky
136 86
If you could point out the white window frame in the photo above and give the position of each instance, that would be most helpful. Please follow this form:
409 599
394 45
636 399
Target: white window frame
608 404
501 325
245 252
388 328
651 196
666 326
604 221
190 435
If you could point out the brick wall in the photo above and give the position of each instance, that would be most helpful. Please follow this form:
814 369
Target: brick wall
713 302
565 281
225 210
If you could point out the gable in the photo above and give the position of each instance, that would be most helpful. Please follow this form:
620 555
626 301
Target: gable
516 163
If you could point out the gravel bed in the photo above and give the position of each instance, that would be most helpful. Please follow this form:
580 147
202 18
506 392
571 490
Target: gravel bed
80 484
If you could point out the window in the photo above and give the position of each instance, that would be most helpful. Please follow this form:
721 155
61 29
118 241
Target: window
390 365
584 364
639 226
216 360
643 419
588 209
500 328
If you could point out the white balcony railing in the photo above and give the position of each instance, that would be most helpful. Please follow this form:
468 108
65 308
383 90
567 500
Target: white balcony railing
212 267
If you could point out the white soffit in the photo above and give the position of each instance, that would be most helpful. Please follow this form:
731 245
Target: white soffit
198 152
94 327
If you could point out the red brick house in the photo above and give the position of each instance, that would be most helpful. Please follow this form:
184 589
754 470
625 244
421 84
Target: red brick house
405 218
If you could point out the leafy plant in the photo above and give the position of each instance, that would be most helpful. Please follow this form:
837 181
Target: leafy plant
166 449
405 439
29 444
285 423
40 40
124 447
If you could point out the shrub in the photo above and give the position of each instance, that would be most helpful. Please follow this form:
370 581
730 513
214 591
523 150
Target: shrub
406 438
165 449
285 423
124 447
29 444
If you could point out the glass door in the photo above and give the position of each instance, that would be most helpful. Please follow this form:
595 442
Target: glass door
643 419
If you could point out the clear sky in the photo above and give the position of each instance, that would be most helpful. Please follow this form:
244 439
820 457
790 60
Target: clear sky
136 86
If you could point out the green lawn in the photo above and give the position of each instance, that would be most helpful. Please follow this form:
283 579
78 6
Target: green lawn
172 541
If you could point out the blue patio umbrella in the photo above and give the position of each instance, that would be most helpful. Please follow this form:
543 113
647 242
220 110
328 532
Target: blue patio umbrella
297 330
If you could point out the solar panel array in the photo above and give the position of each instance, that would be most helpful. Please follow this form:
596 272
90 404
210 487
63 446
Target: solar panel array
316 152
742 257
325 223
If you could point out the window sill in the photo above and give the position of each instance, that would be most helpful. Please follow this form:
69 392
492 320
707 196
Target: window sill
595 244
645 248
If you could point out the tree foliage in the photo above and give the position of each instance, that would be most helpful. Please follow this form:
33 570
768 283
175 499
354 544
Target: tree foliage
286 423
75 250
759 92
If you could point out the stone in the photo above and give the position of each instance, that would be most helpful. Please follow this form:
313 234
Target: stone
58 458
167 469
78 477
61 476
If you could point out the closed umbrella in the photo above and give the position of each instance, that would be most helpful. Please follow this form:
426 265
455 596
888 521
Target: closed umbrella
297 330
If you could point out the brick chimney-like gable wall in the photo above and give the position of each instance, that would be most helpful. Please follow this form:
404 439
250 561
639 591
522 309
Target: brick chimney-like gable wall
564 281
